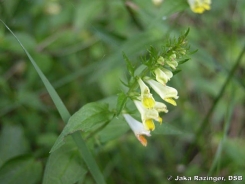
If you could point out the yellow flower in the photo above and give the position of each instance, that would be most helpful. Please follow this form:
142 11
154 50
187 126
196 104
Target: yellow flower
199 6
163 75
146 97
138 129
147 116
165 92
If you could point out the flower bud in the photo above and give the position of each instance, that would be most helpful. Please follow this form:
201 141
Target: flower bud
160 60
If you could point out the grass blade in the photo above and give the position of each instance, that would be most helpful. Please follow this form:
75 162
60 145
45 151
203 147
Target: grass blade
64 113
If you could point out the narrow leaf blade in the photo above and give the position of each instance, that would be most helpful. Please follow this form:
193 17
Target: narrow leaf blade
55 97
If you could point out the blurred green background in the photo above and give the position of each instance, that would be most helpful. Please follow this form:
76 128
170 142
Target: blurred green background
78 44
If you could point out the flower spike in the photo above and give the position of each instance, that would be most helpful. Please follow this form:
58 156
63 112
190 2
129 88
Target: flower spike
160 64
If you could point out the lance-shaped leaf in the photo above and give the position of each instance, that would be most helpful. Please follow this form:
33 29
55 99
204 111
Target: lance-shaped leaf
183 61
130 66
90 117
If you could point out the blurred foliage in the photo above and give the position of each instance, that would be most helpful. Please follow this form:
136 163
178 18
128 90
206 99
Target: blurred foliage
78 45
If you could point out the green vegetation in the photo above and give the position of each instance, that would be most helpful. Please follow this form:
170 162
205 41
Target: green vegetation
75 54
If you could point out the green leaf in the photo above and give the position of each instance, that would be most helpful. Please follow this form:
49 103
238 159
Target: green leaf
153 56
88 118
193 52
183 61
166 129
122 98
176 71
21 170
124 83
130 67
187 32
64 166
12 142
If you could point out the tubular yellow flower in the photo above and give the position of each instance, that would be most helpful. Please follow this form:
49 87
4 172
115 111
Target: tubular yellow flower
138 129
146 97
147 116
163 75
165 92
199 6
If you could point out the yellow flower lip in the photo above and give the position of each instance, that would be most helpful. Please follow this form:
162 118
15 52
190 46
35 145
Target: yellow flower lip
171 101
149 124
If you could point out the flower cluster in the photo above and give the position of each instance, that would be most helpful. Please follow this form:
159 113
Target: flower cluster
157 71
145 102
199 6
